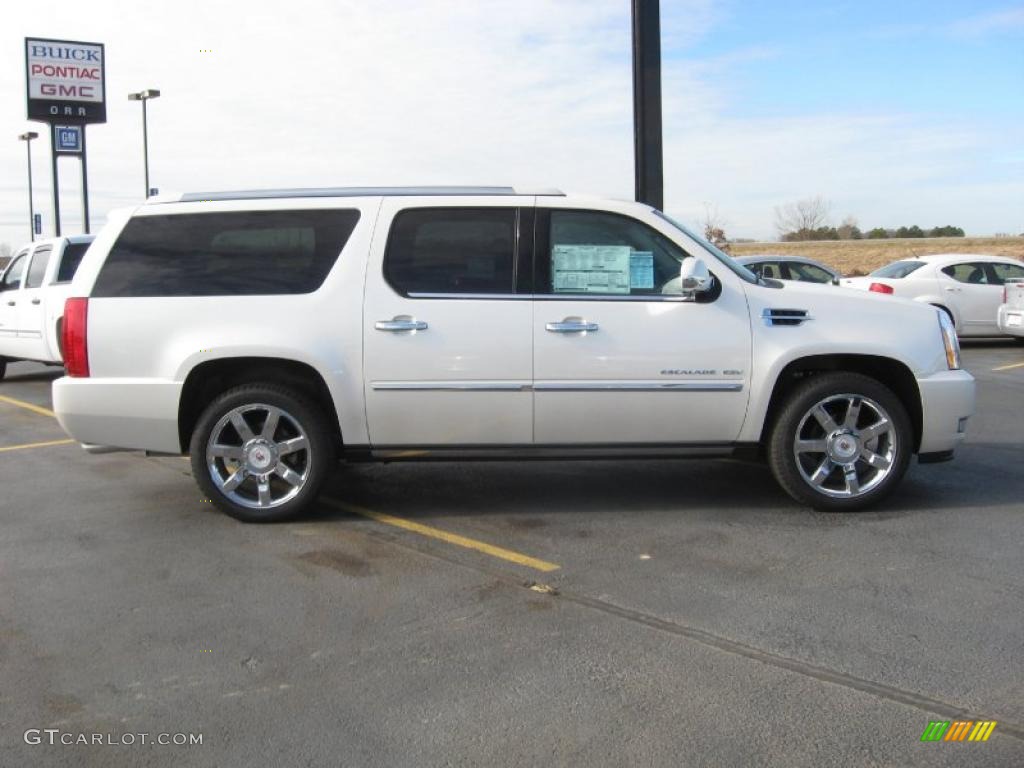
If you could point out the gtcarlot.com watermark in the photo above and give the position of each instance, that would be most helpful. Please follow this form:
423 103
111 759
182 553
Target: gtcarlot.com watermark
55 736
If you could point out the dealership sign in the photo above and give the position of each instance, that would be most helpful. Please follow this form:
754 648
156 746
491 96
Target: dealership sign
65 81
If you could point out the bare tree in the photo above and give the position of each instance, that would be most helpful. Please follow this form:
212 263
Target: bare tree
849 230
714 229
799 220
5 250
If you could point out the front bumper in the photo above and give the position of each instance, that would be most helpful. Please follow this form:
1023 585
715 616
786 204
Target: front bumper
138 414
947 402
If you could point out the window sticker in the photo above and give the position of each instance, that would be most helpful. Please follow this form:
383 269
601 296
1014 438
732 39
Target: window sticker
591 268
641 270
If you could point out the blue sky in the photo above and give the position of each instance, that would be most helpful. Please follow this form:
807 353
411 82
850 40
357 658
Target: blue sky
898 113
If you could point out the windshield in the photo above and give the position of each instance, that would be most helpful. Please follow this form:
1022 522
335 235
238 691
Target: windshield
722 256
897 269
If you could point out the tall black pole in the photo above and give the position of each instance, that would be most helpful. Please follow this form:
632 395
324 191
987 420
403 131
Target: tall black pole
145 147
56 183
31 208
85 187
650 186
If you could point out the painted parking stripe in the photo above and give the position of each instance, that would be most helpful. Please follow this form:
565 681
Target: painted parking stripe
1009 367
22 447
445 536
27 406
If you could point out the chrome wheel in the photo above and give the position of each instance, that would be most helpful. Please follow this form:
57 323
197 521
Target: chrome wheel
258 456
845 446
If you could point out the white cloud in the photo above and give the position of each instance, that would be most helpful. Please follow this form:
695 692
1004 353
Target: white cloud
531 92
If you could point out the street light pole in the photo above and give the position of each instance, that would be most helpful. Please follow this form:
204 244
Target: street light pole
647 103
144 96
27 138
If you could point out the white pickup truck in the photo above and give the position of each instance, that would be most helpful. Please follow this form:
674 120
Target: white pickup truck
1011 311
33 288
268 333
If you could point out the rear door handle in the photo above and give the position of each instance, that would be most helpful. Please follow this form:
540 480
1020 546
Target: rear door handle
951 289
11 303
397 324
570 326
35 301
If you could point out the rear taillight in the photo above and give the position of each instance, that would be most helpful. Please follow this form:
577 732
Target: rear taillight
881 288
75 338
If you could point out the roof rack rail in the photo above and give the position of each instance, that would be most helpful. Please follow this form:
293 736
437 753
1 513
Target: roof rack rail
267 194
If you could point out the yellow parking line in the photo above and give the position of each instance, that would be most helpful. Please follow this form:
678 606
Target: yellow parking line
450 538
27 406
1008 367
34 445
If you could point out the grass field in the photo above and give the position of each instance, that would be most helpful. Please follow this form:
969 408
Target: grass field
850 256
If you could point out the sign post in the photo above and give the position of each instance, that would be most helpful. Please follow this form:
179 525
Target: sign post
66 88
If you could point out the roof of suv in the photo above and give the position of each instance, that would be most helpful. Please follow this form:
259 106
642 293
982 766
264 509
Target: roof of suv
270 194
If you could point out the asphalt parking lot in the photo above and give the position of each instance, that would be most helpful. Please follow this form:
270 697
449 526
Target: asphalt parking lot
568 613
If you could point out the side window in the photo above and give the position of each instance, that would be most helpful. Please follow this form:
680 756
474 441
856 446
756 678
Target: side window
243 253
967 273
595 252
69 262
808 272
1004 272
770 269
12 277
37 268
452 250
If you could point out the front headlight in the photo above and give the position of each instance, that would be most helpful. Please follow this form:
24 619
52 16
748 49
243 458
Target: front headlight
949 340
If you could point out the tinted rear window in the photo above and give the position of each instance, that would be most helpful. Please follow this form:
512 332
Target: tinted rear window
69 262
452 250
247 253
897 269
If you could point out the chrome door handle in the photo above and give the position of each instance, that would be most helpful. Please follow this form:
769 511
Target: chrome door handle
35 301
400 325
570 326
951 289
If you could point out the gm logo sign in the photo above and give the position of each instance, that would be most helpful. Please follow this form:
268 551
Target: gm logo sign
67 138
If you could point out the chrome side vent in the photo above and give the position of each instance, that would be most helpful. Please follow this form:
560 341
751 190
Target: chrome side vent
785 316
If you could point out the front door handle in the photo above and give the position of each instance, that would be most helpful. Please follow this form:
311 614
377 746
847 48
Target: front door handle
35 301
571 326
951 289
11 303
400 324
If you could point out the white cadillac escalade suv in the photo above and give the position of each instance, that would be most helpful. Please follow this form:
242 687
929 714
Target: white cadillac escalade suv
267 334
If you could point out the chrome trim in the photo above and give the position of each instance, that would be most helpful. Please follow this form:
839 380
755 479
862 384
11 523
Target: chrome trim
566 326
609 297
557 386
449 386
487 296
638 386
400 325
549 297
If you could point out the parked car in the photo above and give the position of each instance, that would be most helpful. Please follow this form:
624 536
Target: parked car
32 292
968 287
1011 311
789 268
266 333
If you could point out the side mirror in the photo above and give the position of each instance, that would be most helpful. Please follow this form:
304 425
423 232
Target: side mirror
694 277
835 280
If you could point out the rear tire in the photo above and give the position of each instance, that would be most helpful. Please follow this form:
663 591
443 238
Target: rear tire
842 442
261 452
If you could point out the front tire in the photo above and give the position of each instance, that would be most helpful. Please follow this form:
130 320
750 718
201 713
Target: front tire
3 368
261 452
842 442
